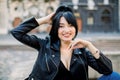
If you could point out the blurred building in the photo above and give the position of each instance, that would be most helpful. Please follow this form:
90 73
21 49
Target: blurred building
13 12
96 15
91 15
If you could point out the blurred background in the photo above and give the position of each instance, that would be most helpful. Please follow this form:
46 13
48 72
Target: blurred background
98 21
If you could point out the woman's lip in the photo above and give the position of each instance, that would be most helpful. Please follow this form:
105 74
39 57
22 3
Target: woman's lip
66 35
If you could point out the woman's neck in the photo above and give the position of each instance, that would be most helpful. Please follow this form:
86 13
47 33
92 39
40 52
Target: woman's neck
64 45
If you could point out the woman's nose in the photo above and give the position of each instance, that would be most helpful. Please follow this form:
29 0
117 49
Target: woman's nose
67 29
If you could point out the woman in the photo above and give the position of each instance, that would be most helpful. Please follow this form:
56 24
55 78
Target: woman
113 76
61 57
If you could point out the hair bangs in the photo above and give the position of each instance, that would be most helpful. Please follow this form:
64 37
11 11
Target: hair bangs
71 20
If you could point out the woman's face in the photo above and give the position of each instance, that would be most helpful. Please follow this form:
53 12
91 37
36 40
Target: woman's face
66 32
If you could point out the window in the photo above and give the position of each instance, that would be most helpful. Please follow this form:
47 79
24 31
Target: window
90 20
83 1
106 2
106 18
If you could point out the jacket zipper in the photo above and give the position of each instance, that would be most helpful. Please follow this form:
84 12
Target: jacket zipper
47 62
84 67
56 71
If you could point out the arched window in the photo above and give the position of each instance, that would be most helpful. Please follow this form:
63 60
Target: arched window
106 18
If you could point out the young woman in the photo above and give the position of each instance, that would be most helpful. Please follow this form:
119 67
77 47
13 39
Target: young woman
61 56
112 76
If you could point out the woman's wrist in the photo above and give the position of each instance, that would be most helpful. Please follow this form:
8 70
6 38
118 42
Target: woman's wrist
41 20
96 54
94 51
46 19
88 44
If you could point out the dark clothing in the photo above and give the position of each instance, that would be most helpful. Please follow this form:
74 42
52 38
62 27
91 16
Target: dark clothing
48 60
63 73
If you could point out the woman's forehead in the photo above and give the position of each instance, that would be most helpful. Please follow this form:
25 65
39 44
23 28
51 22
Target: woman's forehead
62 20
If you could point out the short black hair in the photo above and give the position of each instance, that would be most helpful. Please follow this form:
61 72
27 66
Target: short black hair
67 13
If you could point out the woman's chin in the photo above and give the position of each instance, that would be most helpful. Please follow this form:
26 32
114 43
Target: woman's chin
67 40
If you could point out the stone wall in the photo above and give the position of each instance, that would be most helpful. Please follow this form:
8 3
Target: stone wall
3 17
16 64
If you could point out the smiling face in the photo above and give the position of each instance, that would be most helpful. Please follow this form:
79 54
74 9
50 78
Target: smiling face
64 27
66 31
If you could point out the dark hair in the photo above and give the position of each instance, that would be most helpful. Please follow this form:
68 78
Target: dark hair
67 13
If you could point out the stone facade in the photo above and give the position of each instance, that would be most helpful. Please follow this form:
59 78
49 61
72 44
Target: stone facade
99 16
13 12
3 17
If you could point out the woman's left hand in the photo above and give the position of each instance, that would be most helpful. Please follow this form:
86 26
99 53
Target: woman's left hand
79 43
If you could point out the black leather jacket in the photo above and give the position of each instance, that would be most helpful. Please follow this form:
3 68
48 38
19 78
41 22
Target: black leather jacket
46 65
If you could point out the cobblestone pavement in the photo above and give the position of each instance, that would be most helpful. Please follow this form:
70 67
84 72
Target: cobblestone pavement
16 64
17 60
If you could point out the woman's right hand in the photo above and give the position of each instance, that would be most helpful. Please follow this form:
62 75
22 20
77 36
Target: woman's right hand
46 20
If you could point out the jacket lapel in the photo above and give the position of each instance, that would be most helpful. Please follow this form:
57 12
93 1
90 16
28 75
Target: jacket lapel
76 53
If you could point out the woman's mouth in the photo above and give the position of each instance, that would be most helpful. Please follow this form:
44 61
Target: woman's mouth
67 35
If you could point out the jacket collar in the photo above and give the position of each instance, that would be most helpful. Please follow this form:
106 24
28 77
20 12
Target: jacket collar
56 46
77 51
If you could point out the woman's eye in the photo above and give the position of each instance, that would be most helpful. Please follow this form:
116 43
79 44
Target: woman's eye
61 26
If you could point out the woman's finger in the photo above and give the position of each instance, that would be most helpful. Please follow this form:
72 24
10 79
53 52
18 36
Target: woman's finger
77 44
70 45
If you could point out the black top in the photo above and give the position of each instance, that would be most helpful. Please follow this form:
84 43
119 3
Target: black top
63 73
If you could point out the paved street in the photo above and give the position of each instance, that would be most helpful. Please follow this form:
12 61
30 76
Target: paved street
16 59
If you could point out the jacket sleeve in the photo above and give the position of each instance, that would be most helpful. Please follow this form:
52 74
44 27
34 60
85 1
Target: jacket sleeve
20 33
103 65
